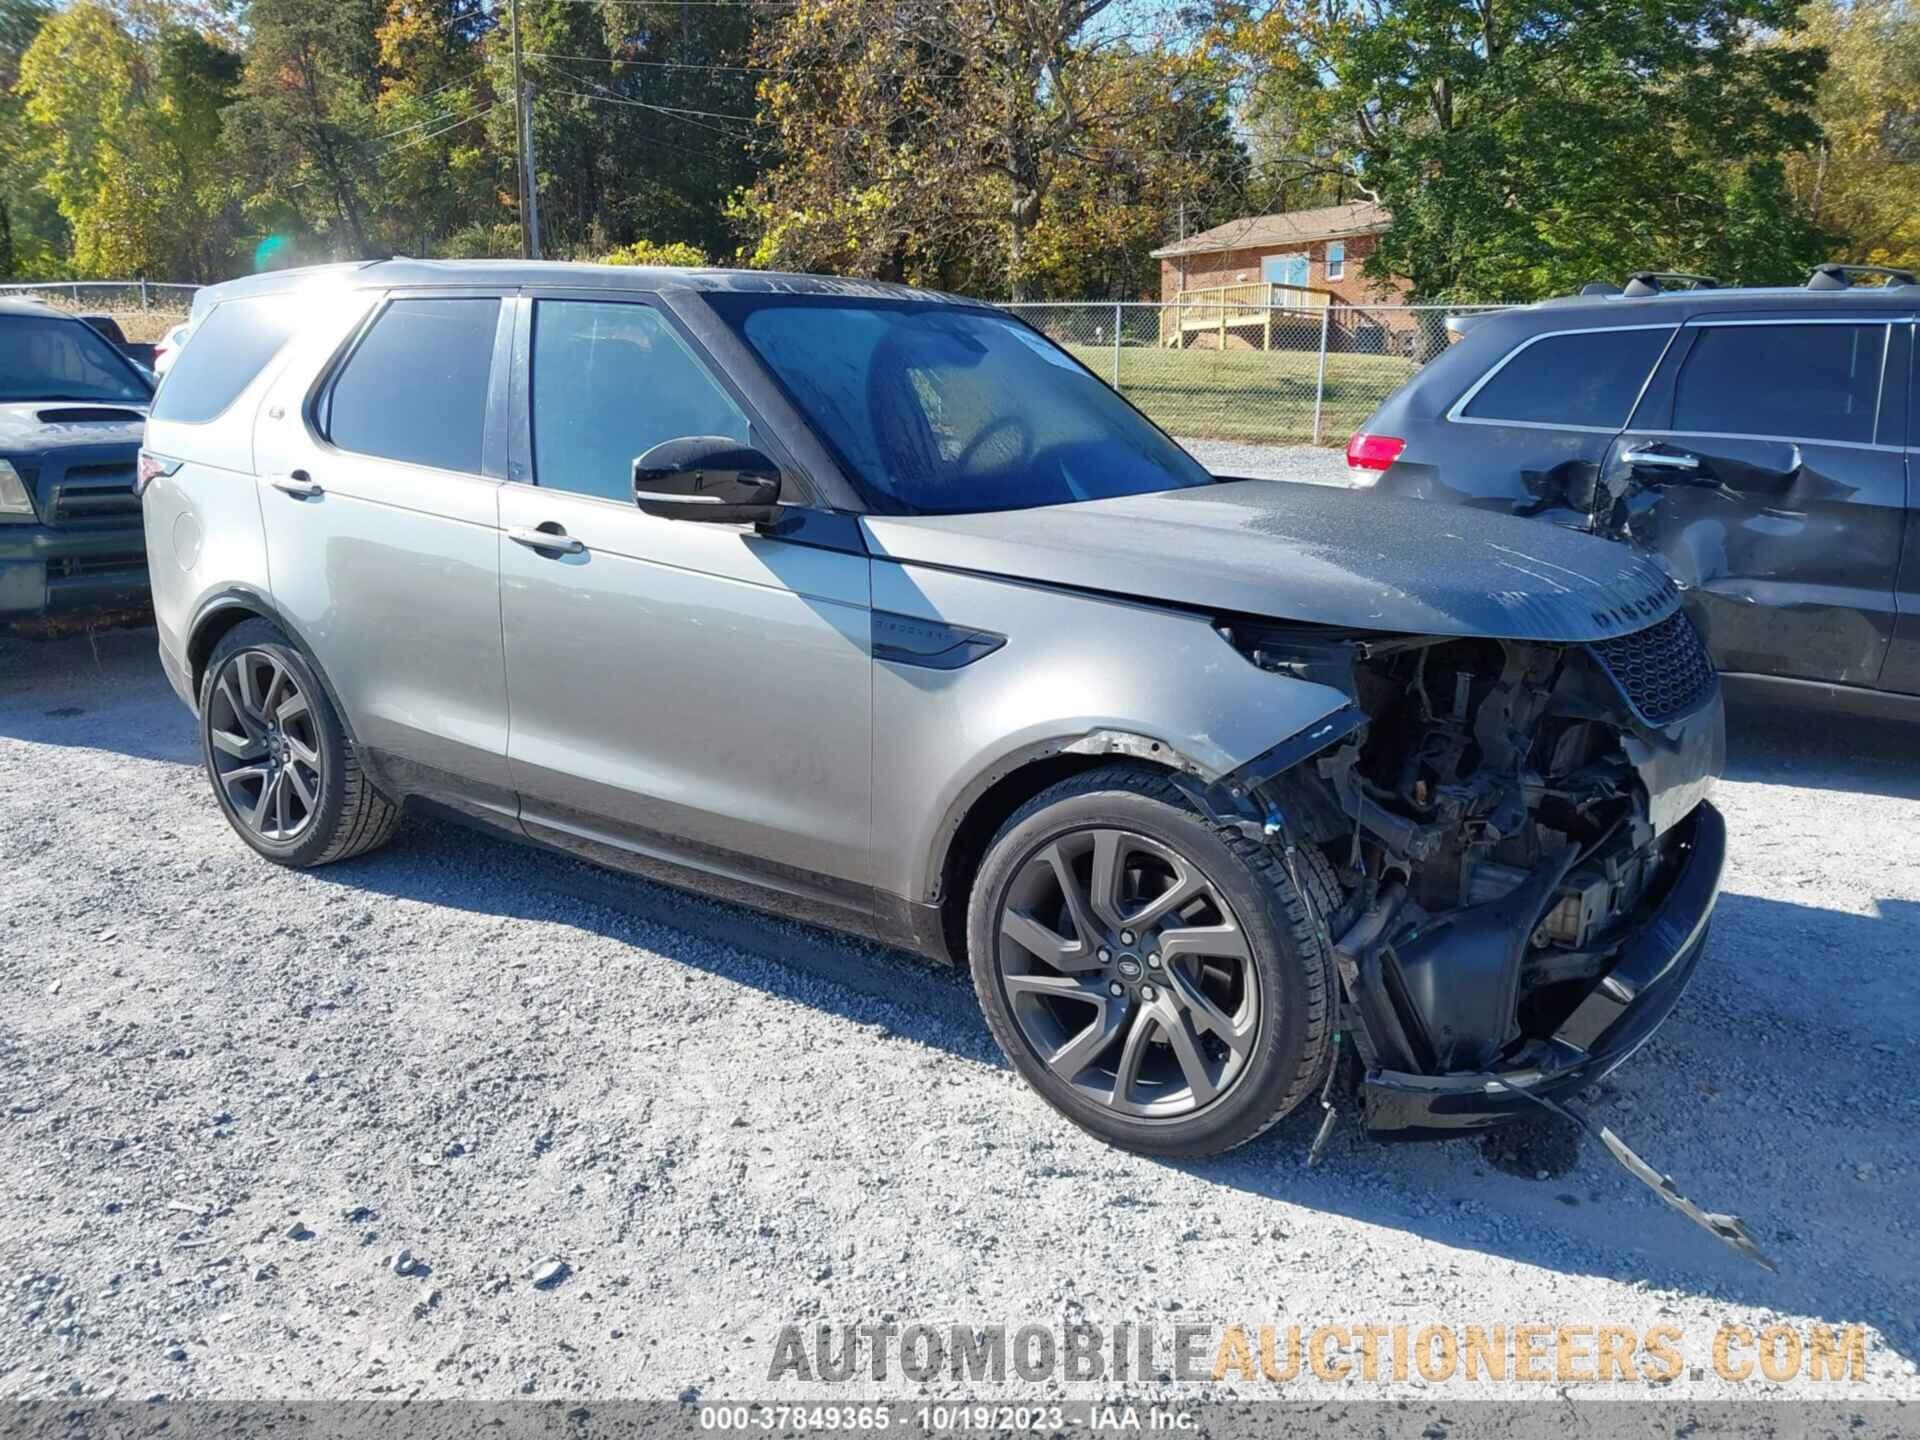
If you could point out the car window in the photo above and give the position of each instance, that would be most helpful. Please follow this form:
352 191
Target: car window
229 347
1800 382
46 357
610 382
415 389
933 408
1591 378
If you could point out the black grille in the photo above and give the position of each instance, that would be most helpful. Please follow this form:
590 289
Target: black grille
94 492
1663 670
75 567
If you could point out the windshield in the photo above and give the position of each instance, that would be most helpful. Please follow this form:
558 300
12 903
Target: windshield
43 357
937 410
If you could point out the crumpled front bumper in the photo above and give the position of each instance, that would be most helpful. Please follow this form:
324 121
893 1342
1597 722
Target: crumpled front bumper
1619 1017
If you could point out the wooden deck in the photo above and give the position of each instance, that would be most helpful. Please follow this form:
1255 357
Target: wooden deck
1248 312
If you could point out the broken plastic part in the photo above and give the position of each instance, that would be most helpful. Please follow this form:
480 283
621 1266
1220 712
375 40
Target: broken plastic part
1729 1230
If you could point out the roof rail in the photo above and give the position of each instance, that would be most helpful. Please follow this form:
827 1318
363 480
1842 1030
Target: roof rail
1654 282
1599 287
1834 276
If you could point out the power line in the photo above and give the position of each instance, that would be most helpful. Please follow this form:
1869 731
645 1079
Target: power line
431 119
662 109
662 64
483 111
685 117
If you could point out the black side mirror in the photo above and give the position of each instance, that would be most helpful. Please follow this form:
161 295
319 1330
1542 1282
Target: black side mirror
707 477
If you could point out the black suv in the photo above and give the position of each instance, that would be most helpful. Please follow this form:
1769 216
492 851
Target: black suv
1756 442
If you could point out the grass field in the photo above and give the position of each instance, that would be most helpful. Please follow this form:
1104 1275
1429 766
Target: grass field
1249 394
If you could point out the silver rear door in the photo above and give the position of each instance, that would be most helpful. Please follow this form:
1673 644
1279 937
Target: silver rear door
379 491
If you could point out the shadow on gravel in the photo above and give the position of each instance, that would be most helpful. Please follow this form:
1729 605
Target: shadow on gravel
1539 1194
1768 746
103 691
1748 1096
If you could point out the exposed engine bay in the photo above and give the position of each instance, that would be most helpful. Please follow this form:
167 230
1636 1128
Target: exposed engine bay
1519 868
1500 820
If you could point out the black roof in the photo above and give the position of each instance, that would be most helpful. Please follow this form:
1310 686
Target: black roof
403 272
1593 312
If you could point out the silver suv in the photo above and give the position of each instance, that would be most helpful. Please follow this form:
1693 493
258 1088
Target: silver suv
876 608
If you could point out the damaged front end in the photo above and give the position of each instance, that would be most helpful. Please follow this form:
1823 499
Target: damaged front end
1524 863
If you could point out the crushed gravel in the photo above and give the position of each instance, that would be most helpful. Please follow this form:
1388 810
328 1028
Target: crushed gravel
1312 464
463 1118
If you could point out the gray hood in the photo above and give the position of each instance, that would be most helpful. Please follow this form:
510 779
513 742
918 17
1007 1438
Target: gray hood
28 426
1307 553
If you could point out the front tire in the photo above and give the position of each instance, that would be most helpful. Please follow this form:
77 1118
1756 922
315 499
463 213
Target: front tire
281 764
1154 976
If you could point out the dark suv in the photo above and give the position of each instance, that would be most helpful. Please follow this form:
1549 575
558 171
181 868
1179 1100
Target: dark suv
71 412
1756 442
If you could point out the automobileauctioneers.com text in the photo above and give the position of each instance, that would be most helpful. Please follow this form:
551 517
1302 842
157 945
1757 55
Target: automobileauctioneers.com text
1333 1353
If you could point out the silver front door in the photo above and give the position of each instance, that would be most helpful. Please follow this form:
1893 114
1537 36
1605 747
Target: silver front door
695 693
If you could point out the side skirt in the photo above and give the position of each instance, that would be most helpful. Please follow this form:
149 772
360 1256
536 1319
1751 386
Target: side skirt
1743 690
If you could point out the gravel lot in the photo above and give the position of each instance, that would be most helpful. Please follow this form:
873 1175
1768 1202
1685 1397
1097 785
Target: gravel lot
236 1092
1313 464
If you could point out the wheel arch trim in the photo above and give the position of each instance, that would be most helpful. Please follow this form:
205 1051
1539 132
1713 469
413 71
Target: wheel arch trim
1222 797
1084 749
241 602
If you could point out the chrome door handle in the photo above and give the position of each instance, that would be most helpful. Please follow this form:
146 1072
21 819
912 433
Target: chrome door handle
547 540
299 485
1659 460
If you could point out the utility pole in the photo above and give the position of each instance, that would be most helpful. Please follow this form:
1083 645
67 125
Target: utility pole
533 179
521 177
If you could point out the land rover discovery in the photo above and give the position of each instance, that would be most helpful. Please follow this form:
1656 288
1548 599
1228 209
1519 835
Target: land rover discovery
873 607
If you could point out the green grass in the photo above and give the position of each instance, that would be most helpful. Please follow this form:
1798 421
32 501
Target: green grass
1249 394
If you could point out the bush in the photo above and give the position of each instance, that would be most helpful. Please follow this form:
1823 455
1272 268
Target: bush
648 252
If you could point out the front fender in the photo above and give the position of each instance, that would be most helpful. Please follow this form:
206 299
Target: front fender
1079 673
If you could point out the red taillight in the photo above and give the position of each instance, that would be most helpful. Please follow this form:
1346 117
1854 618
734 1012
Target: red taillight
1373 452
148 468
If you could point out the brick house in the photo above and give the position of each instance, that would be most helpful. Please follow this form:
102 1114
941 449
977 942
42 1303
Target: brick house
1320 249
1299 260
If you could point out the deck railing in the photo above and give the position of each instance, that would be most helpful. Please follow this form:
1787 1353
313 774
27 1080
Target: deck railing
1244 311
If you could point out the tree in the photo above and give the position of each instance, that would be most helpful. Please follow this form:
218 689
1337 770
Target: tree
128 136
32 233
1863 181
1523 148
924 141
641 118
437 172
304 129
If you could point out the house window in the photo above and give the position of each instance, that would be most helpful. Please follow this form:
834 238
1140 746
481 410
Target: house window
1283 269
1336 261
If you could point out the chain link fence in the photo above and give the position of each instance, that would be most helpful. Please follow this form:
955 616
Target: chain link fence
1300 373
1218 368
144 310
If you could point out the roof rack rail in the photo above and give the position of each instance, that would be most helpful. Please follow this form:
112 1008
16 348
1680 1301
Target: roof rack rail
1834 276
1599 287
1654 282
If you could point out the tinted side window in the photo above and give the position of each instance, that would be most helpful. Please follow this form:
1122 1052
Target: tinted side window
611 381
232 343
415 389
1803 382
1591 378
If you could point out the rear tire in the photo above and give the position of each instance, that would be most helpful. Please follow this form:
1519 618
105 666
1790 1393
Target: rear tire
281 764
1178 1007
